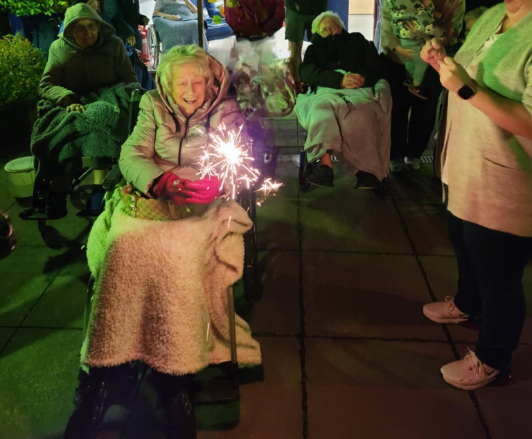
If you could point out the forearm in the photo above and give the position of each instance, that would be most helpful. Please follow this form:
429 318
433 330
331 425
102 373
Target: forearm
161 14
509 115
191 6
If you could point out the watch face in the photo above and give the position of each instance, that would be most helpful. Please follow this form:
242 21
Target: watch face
466 92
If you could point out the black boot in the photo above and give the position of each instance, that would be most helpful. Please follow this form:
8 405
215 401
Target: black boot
175 401
91 404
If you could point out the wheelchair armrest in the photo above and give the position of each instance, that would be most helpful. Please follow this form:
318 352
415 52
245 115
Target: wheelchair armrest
112 179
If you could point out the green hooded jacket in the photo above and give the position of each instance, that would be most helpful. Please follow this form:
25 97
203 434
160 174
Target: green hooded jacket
72 71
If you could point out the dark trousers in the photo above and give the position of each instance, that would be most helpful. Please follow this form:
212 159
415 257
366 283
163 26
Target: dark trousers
490 272
411 135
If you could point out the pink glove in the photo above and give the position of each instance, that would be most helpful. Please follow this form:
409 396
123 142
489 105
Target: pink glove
203 191
183 191
170 186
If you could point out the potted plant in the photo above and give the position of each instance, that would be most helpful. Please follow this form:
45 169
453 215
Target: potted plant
21 68
40 19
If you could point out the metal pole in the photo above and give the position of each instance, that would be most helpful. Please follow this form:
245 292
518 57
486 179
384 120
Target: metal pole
200 23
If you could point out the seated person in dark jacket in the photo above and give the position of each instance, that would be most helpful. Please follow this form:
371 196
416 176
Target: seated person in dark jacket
339 60
85 58
126 18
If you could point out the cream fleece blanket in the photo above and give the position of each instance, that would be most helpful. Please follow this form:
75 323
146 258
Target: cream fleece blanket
161 289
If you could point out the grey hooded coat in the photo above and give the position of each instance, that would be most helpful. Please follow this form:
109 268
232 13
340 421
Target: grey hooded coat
72 71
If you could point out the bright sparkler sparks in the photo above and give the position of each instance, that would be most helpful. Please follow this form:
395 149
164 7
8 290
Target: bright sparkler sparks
227 158
269 186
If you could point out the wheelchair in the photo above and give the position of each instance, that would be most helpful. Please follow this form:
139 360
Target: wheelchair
224 387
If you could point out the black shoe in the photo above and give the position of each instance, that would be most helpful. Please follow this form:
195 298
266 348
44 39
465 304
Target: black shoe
365 180
92 404
323 175
179 414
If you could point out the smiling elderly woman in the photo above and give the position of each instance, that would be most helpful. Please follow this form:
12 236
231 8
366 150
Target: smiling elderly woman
160 291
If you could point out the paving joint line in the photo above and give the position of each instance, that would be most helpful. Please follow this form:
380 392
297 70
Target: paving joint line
354 252
451 341
302 327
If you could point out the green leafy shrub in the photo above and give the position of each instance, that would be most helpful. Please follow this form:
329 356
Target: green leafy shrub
26 8
21 68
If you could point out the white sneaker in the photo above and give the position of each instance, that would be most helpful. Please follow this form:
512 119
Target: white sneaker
414 163
469 373
444 312
397 165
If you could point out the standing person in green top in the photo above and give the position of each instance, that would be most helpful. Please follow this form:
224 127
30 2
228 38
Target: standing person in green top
487 172
299 17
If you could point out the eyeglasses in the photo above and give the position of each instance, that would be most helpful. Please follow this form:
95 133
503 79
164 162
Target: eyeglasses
327 30
90 27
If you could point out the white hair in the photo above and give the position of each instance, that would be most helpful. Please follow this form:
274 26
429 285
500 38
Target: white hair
327 14
180 55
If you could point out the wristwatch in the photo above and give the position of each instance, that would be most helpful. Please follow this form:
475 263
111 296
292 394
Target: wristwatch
466 92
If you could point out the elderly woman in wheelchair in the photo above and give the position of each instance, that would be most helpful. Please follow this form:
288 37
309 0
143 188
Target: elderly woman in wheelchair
84 105
348 112
165 253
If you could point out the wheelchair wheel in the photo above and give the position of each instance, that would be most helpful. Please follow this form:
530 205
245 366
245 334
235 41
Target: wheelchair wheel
154 47
305 169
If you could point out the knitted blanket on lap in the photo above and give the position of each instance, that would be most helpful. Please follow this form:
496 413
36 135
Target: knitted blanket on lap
160 293
99 132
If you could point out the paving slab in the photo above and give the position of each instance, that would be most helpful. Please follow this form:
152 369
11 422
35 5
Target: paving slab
65 232
25 275
63 303
268 409
382 390
38 376
277 224
352 226
416 184
5 336
356 295
507 409
6 201
278 310
443 278
425 221
286 172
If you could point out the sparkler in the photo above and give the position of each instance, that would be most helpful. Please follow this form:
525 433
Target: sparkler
227 158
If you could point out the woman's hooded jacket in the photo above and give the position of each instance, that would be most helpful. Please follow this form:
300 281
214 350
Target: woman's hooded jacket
164 138
73 71
349 52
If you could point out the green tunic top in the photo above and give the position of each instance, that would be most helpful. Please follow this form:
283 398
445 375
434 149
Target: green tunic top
488 169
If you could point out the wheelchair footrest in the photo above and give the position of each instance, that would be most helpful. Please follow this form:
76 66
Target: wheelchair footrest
33 214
